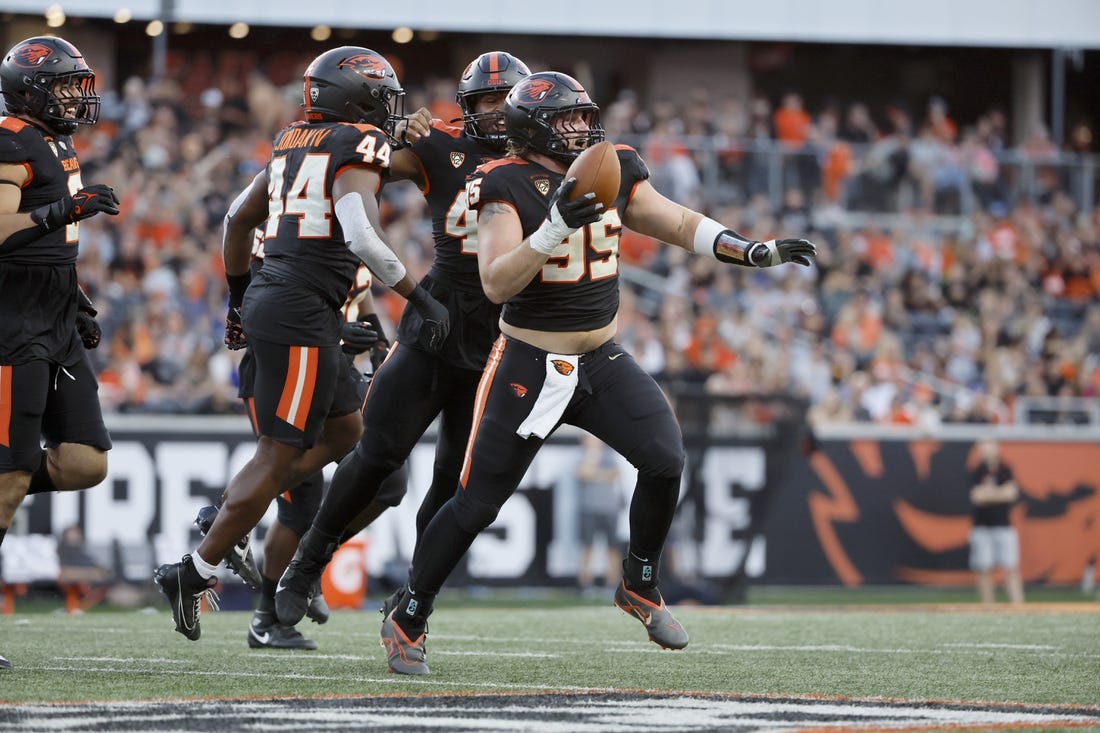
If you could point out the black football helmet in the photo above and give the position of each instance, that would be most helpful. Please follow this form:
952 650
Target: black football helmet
353 84
542 103
46 79
494 71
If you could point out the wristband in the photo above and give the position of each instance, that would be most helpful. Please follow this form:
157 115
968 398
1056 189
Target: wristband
548 236
237 285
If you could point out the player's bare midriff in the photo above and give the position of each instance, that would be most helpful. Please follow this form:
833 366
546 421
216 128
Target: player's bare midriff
562 342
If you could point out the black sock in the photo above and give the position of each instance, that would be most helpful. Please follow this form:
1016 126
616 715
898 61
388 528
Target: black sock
3 531
41 482
640 569
266 605
412 611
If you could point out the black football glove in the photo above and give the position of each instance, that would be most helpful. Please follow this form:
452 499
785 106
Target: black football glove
234 335
355 338
777 251
435 321
381 347
578 212
563 217
86 324
88 201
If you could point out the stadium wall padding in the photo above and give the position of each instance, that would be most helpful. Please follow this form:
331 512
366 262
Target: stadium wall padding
857 510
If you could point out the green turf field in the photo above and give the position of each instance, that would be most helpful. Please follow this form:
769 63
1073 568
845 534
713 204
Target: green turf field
1044 653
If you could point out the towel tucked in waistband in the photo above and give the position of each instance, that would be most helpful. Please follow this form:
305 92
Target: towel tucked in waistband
557 390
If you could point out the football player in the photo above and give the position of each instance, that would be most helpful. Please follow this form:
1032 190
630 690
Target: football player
361 332
317 196
553 263
413 386
48 390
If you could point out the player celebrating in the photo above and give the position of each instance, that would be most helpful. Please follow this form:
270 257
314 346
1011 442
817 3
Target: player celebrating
556 272
317 196
413 386
48 390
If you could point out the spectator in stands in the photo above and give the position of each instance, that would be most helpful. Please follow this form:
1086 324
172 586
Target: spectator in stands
83 580
993 540
600 503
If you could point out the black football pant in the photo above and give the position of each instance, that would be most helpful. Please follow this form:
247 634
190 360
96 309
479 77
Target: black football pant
410 389
615 400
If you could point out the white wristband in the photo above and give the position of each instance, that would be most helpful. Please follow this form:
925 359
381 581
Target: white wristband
705 234
548 236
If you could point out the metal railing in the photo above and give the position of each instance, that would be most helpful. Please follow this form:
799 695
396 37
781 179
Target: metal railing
885 177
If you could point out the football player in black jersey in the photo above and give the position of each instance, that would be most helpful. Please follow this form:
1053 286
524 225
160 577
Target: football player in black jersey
360 332
48 390
317 197
413 386
553 263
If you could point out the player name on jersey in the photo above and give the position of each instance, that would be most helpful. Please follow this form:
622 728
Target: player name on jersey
302 138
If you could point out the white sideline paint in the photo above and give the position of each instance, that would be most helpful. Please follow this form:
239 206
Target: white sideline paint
622 713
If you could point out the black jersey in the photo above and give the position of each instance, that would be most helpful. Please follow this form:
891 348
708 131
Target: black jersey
38 282
446 157
303 241
53 173
578 287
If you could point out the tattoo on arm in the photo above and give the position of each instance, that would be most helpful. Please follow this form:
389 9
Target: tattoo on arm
490 210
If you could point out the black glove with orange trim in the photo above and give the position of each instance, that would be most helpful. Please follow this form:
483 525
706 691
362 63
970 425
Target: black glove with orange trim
88 201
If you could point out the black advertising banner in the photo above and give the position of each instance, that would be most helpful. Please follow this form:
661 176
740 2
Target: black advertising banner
867 508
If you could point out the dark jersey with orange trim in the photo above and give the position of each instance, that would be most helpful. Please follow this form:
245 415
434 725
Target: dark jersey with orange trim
446 157
38 281
578 288
52 173
303 240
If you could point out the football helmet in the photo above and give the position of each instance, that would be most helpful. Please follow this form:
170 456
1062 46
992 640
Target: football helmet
494 71
46 79
542 113
353 84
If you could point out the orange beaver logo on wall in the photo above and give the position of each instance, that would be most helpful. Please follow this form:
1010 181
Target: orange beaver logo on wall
1056 515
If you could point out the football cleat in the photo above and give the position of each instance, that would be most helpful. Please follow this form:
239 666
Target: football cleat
265 632
404 655
318 611
391 603
185 590
664 630
4 663
239 559
301 581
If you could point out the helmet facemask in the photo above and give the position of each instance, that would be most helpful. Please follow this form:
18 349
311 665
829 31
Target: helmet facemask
565 134
68 100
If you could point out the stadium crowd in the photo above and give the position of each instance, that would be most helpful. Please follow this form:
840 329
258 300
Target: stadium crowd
954 274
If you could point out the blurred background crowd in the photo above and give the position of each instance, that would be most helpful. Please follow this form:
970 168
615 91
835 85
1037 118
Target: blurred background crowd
957 277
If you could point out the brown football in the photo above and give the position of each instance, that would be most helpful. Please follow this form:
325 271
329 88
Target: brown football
596 170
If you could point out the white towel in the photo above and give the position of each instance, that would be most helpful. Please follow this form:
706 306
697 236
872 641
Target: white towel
557 390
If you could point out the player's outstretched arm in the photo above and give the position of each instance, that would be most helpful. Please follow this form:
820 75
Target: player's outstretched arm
652 214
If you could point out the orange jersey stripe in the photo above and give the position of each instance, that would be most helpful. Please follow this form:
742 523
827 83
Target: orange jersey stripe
5 406
479 404
301 378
